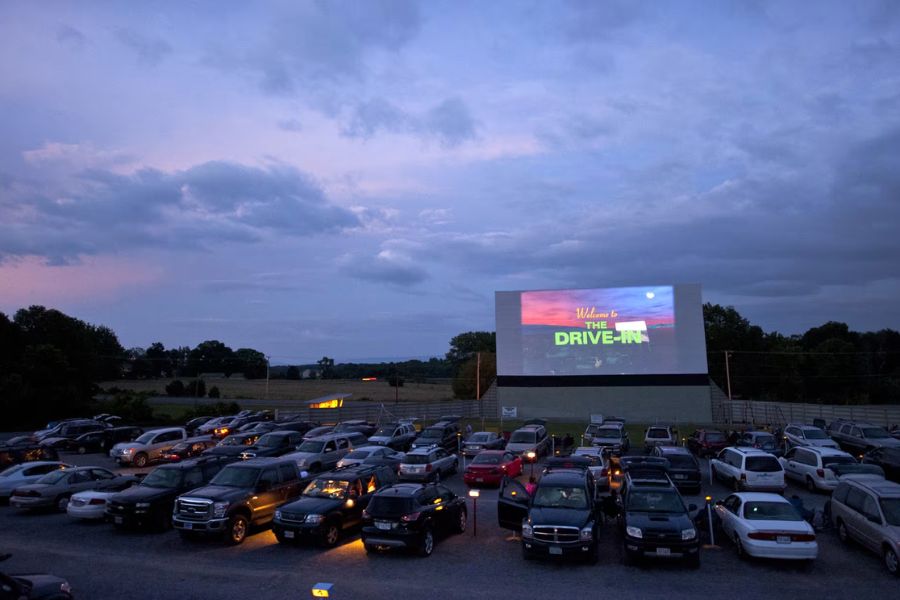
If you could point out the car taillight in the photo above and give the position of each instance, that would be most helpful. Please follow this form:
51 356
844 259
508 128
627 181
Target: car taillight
820 473
762 535
97 501
803 537
410 517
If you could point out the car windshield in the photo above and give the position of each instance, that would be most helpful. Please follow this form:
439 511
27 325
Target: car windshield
163 478
270 440
480 438
814 434
432 434
236 477
360 454
54 477
311 447
827 461
771 511
763 464
487 459
386 431
715 436
560 497
327 488
658 502
875 432
12 471
658 433
522 437
608 432
416 459
764 439
235 440
682 461
389 507
145 439
891 509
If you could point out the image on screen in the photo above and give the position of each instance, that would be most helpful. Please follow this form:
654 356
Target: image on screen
606 331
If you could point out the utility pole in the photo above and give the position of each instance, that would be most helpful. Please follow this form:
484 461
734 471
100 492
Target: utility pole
728 373
478 382
267 376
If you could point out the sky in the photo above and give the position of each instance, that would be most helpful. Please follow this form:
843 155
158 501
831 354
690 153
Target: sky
356 179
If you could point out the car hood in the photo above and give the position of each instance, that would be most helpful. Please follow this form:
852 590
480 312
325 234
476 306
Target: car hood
226 450
143 493
519 448
888 442
822 443
298 456
668 522
309 506
786 526
41 584
380 440
217 492
566 517
126 445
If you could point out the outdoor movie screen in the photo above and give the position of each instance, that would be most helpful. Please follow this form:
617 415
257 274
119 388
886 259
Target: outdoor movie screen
652 330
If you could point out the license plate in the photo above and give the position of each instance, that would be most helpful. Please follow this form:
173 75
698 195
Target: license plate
555 550
382 525
479 479
663 552
783 539
188 525
118 520
679 476
289 534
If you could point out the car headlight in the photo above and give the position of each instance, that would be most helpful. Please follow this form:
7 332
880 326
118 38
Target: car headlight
278 514
587 534
219 509
526 530
634 532
314 519
65 588
688 534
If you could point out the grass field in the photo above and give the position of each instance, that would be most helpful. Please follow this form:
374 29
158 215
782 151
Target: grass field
306 389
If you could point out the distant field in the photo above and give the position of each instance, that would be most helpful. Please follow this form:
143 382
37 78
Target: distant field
285 389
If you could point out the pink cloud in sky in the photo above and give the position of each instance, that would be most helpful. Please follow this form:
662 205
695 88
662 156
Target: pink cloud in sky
30 280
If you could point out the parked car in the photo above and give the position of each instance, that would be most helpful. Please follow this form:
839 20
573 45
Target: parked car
54 489
396 435
762 440
609 434
599 464
150 503
302 427
242 495
886 458
234 444
331 504
706 442
859 438
147 448
89 505
857 471
654 520
27 451
189 448
102 439
561 519
318 431
25 473
489 467
33 586
372 455
195 423
210 426
428 464
659 435
258 427
359 425
412 516
766 526
322 453
683 468
811 466
748 469
443 434
274 443
71 429
530 442
796 434
619 465
482 440
868 512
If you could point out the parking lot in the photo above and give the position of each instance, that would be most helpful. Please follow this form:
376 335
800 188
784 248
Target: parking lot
103 563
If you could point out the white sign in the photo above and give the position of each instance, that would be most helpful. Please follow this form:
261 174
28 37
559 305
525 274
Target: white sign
509 412
597 419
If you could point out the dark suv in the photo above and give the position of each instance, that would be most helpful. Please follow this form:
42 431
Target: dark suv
332 503
242 495
408 515
683 468
654 520
150 502
706 442
562 518
274 443
443 434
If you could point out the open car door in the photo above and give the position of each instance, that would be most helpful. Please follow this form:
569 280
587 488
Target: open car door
512 504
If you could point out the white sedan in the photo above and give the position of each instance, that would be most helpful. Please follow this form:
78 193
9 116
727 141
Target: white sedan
766 526
358 455
88 505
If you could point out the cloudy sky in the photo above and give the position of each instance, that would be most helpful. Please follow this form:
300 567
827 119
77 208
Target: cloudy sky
356 179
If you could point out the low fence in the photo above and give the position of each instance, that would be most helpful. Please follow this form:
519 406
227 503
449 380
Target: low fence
779 413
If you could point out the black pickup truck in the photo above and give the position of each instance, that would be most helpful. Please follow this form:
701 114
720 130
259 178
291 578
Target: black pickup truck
242 495
561 519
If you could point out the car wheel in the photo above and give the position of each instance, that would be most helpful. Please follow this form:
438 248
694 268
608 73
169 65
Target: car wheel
890 561
330 538
427 546
140 460
237 530
461 522
739 547
842 532
81 449
811 485
62 503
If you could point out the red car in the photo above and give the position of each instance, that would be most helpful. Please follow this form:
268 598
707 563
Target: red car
489 467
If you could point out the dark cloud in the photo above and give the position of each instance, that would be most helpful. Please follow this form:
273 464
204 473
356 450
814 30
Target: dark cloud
68 35
211 203
150 51
449 122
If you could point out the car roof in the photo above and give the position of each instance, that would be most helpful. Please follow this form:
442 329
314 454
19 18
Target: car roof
532 427
881 487
749 451
351 471
422 451
673 450
400 489
261 462
564 476
327 437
